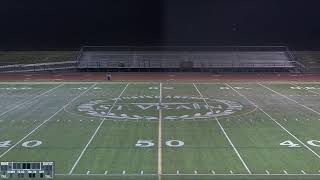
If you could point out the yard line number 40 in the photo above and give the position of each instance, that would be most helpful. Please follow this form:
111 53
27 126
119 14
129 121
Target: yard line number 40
291 144
27 144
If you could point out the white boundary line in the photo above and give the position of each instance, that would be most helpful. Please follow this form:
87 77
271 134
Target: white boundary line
29 100
224 132
289 99
152 82
189 174
160 135
282 127
26 136
95 133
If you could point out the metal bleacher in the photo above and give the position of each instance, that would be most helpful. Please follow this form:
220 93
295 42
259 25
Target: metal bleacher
245 58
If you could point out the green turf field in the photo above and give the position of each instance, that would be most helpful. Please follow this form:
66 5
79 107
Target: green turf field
164 130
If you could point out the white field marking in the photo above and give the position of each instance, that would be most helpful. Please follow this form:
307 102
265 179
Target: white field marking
213 172
195 172
29 100
95 133
231 172
275 121
290 99
148 82
141 172
192 174
285 172
123 172
62 108
160 135
279 174
224 132
305 89
88 172
303 172
267 172
106 172
178 172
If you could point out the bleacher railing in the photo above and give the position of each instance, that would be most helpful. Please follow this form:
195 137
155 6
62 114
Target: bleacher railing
172 56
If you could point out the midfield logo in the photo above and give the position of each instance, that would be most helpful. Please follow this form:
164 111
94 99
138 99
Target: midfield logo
144 107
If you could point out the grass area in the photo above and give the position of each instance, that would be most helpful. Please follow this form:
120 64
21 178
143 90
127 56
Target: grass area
29 57
179 130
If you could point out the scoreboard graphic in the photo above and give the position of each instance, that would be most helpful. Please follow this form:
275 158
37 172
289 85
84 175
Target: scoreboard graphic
27 170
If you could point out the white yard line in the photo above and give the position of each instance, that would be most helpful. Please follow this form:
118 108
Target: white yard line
61 109
160 135
29 100
275 121
289 99
95 132
224 132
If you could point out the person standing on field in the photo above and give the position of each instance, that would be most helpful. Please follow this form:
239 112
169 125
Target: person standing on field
108 76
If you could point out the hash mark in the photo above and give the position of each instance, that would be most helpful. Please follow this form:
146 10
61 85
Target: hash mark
231 172
303 172
212 171
106 172
123 172
141 172
88 172
178 172
195 172
267 172
285 171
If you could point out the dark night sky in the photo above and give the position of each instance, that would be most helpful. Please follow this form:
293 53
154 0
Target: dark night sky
69 23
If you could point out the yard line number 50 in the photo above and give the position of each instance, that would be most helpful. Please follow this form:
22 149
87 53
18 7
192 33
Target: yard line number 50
149 143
